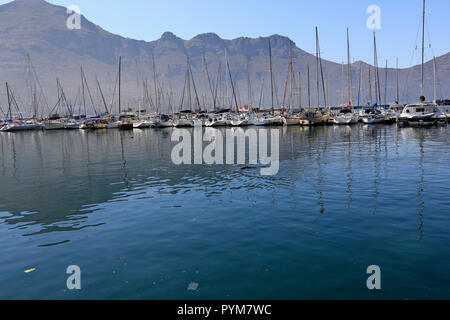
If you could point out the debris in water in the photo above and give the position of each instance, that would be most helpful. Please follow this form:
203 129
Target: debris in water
30 270
193 286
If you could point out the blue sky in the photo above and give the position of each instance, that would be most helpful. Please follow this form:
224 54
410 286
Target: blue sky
400 23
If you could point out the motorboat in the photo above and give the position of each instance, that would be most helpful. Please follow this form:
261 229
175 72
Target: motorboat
423 114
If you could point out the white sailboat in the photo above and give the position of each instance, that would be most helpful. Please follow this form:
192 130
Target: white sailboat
346 115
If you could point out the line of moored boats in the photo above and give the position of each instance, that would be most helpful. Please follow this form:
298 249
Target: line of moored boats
420 114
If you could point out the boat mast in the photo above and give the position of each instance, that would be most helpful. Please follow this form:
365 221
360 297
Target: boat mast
398 98
288 74
120 83
249 83
359 85
317 67
299 90
342 86
370 85
209 80
232 87
195 88
434 78
422 97
385 84
101 94
261 96
377 76
320 68
82 91
271 75
350 89
309 90
9 101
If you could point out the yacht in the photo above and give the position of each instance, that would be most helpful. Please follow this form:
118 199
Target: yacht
142 124
214 121
53 125
292 120
345 117
71 124
183 123
422 114
312 117
269 120
21 126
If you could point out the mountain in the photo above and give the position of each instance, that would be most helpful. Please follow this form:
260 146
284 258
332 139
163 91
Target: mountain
39 29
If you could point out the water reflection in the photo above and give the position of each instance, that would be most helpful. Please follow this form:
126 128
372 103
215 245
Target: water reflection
53 181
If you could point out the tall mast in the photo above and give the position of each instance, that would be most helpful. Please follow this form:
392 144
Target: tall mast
271 75
232 87
261 97
423 51
82 91
209 80
288 74
101 94
154 83
9 101
299 90
195 88
309 90
350 93
434 78
317 67
385 83
342 85
359 85
398 98
375 66
120 83
377 76
249 83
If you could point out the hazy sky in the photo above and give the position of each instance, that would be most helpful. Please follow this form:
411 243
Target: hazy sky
398 36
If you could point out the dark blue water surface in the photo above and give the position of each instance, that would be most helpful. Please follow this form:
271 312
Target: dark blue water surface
140 227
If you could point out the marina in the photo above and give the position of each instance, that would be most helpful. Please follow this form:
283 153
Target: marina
252 169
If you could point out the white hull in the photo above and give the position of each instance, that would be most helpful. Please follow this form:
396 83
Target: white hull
183 123
163 124
372 120
218 123
21 127
292 121
197 123
72 126
113 125
54 125
142 125
346 119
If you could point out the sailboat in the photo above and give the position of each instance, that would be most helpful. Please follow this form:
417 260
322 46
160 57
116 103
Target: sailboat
346 115
54 121
125 122
270 119
185 117
19 124
373 114
422 114
290 118
316 116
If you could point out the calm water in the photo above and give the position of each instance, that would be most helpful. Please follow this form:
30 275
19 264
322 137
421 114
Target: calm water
141 227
